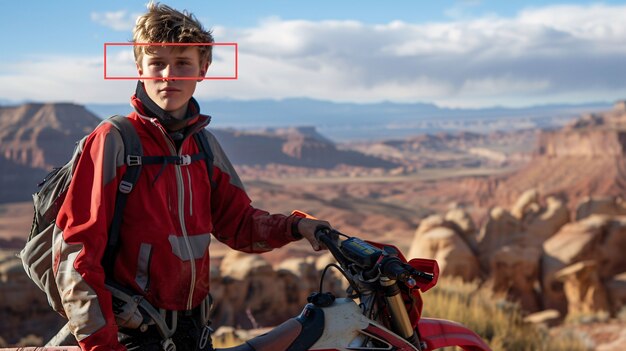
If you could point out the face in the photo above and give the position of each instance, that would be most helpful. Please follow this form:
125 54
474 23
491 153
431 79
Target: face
172 95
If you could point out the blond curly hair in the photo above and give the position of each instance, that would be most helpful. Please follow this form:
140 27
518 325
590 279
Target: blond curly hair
163 24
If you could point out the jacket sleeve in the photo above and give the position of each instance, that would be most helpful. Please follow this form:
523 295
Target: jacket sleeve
80 240
235 222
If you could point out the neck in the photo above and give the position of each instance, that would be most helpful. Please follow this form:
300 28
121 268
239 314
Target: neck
179 113
172 121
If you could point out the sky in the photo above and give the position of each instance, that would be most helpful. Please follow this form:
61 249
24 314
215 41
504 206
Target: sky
472 53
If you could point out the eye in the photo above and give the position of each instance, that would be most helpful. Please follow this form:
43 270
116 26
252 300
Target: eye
156 64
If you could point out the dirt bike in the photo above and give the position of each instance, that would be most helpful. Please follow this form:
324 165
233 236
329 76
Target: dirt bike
381 312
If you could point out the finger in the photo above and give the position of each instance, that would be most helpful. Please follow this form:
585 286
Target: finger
315 244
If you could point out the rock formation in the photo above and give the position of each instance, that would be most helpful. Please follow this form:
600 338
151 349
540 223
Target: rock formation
534 255
33 139
501 229
546 222
585 293
24 308
616 288
249 292
302 147
444 241
43 135
515 273
598 238
586 158
608 205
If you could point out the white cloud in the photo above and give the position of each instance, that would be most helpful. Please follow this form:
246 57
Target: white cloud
116 20
62 78
560 51
548 54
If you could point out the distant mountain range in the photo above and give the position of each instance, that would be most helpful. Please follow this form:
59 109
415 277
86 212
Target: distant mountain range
36 137
350 121
376 121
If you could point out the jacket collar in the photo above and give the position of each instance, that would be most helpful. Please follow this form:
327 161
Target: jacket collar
145 106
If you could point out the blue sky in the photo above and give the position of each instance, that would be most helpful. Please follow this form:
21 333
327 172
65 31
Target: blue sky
455 53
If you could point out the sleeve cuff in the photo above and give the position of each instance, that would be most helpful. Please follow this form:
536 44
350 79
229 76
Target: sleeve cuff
295 233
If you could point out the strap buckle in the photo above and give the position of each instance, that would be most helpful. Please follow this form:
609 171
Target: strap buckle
168 345
184 160
125 187
133 160
205 338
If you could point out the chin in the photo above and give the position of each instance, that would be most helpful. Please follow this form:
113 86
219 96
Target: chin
171 107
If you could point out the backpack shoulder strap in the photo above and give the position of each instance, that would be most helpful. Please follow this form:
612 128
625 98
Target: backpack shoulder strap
203 144
133 152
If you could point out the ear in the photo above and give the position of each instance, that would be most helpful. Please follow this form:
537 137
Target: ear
203 70
139 70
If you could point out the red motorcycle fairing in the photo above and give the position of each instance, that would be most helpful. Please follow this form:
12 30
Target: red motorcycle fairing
435 334
438 333
412 297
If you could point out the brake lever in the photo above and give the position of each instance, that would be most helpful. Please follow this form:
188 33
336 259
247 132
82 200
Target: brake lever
422 275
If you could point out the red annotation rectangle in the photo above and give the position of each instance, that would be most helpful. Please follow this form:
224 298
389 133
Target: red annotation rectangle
224 69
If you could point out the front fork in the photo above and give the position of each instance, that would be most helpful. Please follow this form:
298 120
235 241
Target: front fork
400 321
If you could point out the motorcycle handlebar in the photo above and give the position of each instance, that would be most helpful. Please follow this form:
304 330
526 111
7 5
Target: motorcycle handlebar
323 235
390 266
393 268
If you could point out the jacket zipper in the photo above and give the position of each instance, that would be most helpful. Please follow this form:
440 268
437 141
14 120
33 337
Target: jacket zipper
180 184
190 192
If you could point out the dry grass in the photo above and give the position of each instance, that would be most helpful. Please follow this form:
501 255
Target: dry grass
498 322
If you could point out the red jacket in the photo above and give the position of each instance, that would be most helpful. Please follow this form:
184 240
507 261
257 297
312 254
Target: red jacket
166 227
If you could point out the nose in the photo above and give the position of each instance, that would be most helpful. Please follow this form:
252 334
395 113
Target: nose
168 72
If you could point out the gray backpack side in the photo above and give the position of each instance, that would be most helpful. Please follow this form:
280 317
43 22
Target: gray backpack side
37 257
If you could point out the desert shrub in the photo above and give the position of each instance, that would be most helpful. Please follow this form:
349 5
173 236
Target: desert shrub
498 322
228 337
588 318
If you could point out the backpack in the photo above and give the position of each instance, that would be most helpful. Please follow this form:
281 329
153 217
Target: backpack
37 256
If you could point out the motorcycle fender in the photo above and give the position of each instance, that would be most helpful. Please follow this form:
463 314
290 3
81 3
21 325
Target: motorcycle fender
438 333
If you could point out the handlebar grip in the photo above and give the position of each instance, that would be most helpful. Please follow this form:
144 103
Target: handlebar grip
396 269
324 235
393 268
321 233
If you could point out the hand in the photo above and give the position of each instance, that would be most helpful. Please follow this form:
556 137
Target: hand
307 228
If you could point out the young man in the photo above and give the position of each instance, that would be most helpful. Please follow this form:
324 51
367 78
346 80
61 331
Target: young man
172 210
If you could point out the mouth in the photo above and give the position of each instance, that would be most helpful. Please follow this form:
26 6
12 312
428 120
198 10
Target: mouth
169 90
